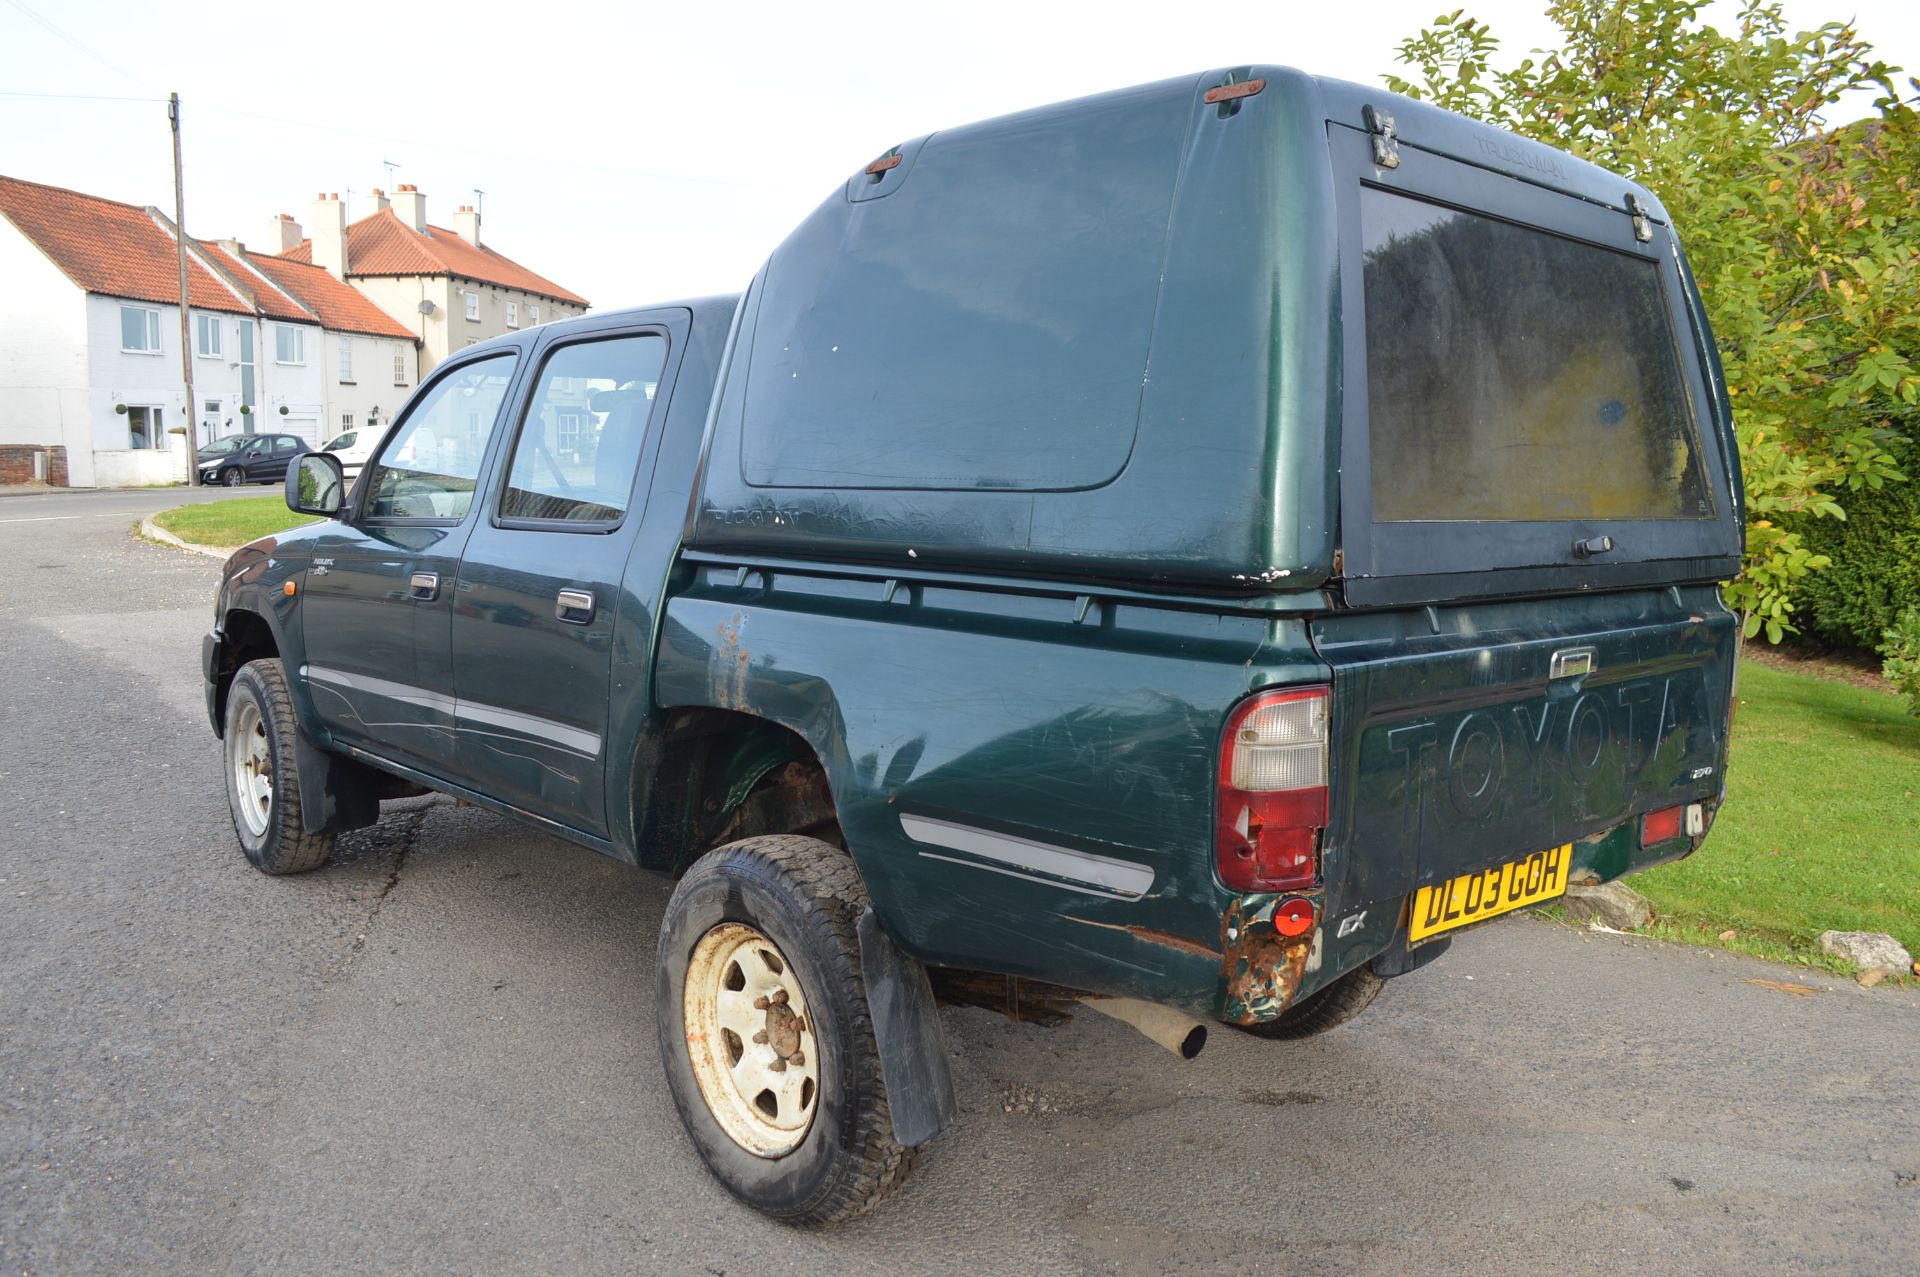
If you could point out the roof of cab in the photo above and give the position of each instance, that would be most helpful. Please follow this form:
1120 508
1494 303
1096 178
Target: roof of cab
716 308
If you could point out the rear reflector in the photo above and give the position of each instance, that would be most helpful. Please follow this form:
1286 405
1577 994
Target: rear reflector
1293 917
1272 800
1658 826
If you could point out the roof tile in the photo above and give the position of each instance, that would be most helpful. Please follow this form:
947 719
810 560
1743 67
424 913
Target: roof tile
340 306
382 244
108 247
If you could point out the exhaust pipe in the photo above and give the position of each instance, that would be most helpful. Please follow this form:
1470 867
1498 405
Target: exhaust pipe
1179 1032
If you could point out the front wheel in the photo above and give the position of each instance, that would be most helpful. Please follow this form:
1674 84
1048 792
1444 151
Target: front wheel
263 787
233 477
765 1034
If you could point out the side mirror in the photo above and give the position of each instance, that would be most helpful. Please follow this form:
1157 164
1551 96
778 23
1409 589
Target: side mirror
315 484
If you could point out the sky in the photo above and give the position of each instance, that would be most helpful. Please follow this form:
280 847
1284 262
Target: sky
632 152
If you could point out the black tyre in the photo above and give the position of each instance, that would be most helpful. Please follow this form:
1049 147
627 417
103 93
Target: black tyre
765 1034
1328 1008
263 788
233 476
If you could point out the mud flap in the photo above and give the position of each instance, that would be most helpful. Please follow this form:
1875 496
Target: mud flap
336 793
906 1027
1399 960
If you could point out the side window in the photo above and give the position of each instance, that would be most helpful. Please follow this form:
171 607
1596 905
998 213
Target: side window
429 466
579 444
286 443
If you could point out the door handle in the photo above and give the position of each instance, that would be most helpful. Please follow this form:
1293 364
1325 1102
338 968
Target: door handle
1570 662
424 587
575 607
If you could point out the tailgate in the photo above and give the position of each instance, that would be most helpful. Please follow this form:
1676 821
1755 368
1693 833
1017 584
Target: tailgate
1456 747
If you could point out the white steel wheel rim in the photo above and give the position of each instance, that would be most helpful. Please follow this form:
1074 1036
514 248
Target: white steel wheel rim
751 1040
250 767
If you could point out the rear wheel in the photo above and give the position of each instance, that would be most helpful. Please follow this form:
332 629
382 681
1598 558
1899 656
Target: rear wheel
263 787
1324 1009
765 1034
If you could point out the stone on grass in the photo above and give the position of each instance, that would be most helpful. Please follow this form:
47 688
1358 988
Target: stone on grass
1868 950
1611 904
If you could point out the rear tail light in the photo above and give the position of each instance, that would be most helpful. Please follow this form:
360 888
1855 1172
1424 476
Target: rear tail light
1272 801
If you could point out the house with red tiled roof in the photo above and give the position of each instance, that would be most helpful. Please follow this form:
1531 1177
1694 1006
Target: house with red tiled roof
449 287
92 385
369 361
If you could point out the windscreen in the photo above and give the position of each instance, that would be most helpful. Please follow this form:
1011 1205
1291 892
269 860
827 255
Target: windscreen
1514 374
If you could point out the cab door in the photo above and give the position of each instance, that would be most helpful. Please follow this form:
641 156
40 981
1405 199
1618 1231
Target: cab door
378 597
540 579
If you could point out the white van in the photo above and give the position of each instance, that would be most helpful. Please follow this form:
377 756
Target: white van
353 447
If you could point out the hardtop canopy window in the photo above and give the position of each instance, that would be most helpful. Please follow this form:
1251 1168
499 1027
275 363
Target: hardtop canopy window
1514 374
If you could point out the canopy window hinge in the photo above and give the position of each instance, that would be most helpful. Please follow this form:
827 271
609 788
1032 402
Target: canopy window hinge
1642 224
1386 143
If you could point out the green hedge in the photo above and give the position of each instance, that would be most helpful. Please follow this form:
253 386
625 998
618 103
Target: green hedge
1876 560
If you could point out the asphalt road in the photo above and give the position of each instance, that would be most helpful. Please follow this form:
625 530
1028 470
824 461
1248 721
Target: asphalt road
437 1054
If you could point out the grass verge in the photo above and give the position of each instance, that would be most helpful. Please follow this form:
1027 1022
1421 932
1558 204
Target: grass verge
223 524
1821 830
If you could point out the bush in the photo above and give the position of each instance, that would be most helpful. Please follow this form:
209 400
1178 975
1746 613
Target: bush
1874 576
1901 646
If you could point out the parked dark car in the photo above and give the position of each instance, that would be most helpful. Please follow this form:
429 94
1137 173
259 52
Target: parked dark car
1186 552
249 459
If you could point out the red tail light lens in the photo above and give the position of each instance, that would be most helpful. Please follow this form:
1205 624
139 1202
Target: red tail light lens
1272 801
1293 917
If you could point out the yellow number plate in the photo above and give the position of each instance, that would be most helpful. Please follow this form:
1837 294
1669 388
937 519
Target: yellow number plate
1502 889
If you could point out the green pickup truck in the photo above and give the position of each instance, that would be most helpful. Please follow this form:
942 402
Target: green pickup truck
1186 551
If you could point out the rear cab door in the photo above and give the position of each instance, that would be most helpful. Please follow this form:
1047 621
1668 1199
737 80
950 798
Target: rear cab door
540 591
1538 493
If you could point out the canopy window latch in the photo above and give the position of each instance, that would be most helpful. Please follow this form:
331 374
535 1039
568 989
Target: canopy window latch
1386 143
1642 224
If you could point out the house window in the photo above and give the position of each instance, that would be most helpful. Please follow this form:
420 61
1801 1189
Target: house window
206 336
399 367
289 344
143 426
513 314
346 361
533 313
346 421
473 307
140 332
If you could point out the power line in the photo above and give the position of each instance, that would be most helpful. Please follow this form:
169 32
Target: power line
74 97
118 70
523 157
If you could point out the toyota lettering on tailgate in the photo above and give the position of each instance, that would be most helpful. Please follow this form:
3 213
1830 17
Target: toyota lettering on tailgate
1585 754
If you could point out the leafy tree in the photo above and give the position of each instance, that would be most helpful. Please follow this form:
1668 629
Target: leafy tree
1805 244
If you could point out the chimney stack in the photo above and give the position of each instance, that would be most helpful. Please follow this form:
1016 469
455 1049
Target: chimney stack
330 235
376 202
285 235
466 220
411 205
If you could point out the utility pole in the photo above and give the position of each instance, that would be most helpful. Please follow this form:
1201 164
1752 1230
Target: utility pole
186 318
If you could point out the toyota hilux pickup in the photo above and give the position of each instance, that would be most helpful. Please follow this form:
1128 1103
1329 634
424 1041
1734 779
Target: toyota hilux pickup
1188 551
